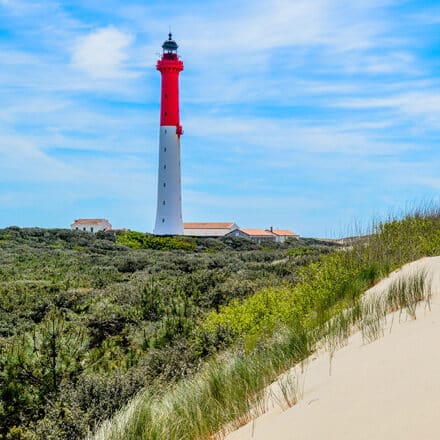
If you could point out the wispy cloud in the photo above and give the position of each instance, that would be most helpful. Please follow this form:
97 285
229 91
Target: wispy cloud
102 53
422 106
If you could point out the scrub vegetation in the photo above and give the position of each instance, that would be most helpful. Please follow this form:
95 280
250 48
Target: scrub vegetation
130 336
87 321
278 327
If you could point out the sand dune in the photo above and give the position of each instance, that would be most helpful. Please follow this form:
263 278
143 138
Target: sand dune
388 389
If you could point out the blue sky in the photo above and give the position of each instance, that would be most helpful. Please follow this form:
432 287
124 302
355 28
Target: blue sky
308 115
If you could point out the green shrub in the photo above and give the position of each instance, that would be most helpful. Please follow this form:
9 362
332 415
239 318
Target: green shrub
139 240
137 311
337 277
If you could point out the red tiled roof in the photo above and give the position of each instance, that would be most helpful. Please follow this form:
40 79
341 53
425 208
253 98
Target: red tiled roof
284 232
257 232
89 221
207 225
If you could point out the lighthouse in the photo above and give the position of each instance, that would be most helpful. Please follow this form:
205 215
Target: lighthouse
169 193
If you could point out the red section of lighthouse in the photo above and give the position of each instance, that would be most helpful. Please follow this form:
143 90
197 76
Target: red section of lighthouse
169 200
170 66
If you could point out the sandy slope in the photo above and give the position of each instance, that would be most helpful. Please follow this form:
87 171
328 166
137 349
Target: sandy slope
389 389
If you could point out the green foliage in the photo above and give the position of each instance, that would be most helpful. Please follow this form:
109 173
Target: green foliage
224 393
33 365
86 322
281 326
299 251
138 240
339 277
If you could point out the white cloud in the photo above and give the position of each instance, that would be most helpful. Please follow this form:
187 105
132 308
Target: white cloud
293 135
103 53
387 63
14 58
420 106
126 175
260 26
21 156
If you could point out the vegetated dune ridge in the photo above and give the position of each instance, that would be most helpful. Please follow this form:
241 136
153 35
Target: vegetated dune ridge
388 389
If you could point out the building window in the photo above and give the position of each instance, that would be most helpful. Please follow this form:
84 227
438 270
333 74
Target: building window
163 220
84 229
163 203
165 149
164 184
165 130
77 228
164 167
91 229
165 113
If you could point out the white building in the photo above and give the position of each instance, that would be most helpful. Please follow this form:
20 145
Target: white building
253 234
91 224
207 229
281 235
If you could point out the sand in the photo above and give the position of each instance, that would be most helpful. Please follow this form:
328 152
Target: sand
388 389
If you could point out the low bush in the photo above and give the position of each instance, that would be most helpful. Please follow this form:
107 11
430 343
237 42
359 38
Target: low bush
138 240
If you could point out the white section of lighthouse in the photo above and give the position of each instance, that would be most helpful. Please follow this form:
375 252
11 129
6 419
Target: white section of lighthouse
169 193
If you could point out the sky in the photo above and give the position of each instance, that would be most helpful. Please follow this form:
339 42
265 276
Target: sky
309 115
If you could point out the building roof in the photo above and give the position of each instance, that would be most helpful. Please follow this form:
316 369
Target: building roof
206 225
257 232
89 221
284 232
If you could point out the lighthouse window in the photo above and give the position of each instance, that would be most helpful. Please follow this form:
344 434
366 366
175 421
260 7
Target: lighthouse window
165 149
163 220
166 95
165 130
165 113
164 184
164 167
163 203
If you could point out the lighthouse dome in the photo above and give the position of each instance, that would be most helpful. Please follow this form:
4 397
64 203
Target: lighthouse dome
170 45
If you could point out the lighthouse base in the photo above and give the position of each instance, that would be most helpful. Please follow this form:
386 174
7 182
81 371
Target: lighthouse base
169 193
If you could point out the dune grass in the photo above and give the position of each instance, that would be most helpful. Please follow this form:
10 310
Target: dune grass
225 394
230 392
320 312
